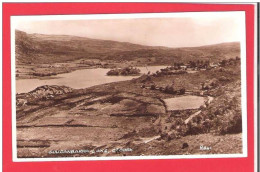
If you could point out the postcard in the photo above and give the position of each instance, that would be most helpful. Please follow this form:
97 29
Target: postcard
131 86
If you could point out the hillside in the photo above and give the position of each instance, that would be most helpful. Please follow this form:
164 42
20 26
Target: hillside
61 48
125 115
39 48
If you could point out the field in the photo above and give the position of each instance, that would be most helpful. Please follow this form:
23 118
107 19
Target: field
184 102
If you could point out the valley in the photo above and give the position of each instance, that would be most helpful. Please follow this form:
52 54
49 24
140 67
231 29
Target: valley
184 98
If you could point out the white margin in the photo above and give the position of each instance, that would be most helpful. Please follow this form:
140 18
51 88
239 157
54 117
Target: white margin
123 16
243 58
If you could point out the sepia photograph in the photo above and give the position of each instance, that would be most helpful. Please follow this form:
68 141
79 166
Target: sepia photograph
129 86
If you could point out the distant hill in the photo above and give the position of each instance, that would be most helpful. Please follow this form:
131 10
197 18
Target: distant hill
40 48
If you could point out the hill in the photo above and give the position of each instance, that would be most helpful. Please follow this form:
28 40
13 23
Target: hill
40 48
125 115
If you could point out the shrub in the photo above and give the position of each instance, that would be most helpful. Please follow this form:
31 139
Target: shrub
194 128
230 123
113 72
169 89
182 91
152 87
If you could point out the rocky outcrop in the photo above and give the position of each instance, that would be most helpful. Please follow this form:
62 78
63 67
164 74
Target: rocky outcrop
42 92
50 90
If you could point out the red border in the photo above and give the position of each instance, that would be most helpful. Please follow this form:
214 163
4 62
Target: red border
183 165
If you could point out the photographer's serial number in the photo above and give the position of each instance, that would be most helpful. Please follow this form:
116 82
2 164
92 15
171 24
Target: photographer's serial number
202 147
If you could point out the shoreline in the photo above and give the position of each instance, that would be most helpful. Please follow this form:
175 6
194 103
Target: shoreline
49 71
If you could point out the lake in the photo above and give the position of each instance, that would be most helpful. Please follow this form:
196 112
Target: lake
180 103
79 79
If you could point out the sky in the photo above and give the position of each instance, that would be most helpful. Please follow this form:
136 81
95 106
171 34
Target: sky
175 30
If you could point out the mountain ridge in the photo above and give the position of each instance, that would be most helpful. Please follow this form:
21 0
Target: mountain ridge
41 48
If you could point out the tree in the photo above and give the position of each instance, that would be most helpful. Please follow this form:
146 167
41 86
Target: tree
173 83
223 62
153 87
202 85
169 89
182 91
